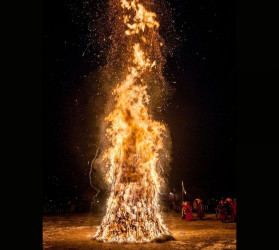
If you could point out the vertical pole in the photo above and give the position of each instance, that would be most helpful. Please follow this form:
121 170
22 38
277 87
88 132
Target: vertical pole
182 192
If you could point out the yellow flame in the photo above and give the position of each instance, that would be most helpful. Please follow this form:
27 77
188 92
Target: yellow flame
140 20
133 213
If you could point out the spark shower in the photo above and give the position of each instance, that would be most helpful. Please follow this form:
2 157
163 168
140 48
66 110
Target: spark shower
137 154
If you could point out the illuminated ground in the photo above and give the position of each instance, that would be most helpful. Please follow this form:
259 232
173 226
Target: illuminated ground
76 231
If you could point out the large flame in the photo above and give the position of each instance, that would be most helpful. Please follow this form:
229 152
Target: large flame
133 213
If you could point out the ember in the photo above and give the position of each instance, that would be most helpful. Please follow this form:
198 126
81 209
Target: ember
136 140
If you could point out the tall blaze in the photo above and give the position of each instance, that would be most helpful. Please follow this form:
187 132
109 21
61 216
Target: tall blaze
136 140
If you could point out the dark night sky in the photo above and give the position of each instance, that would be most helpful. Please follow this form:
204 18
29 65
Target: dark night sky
201 114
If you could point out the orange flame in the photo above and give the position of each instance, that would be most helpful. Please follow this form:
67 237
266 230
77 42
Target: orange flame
133 213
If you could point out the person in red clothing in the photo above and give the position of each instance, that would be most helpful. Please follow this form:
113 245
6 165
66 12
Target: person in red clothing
200 212
188 212
233 209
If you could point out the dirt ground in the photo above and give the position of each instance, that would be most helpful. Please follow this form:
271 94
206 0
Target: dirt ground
76 232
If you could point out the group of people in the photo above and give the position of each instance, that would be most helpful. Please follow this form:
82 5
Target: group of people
226 210
186 210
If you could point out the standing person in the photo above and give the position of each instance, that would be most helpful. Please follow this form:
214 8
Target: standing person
174 206
227 209
195 205
183 210
200 212
233 209
188 212
222 211
217 208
